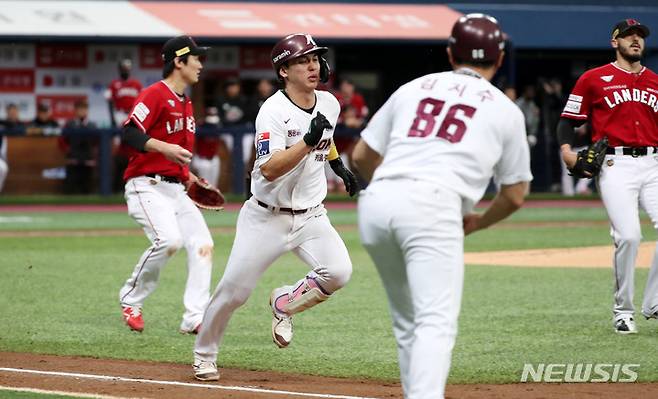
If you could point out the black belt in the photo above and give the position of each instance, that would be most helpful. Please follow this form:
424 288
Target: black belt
632 151
168 179
284 210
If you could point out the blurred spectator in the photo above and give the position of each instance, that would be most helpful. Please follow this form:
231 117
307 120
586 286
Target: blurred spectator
552 105
12 117
264 89
232 104
43 123
12 121
510 92
348 96
121 96
81 151
530 112
206 163
353 114
233 110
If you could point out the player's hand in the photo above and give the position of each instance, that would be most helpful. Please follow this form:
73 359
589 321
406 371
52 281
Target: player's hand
316 129
177 154
351 184
471 223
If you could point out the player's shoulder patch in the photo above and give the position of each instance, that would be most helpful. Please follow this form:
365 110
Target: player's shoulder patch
262 144
141 111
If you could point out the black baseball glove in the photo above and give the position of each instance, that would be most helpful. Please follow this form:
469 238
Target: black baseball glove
351 184
318 125
589 161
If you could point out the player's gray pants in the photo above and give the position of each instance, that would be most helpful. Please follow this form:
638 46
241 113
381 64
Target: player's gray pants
624 186
170 220
416 242
261 237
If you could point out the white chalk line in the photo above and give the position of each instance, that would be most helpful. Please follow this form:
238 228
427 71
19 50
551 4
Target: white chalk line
60 393
181 384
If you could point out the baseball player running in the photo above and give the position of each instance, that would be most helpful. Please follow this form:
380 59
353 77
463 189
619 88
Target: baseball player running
443 135
294 129
161 126
620 101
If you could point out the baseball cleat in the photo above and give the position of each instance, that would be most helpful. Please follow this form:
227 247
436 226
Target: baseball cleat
191 331
625 325
205 370
133 318
282 329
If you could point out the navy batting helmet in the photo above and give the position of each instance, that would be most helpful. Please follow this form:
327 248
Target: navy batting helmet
476 38
297 45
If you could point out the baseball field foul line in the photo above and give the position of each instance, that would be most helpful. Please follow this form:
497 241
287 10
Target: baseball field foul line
180 384
60 393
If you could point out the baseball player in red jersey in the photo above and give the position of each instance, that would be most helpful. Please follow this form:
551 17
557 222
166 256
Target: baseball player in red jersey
161 127
620 101
123 92
121 96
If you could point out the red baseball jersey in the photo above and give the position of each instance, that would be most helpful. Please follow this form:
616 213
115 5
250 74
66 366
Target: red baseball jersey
207 147
124 93
620 105
160 113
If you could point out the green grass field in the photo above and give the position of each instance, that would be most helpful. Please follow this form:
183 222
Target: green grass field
58 295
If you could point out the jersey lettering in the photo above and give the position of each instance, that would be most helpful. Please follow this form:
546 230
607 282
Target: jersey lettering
323 145
453 125
634 95
178 126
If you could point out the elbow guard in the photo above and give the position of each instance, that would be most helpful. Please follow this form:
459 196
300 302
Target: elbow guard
134 137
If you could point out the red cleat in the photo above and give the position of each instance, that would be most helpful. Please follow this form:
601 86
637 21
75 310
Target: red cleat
133 318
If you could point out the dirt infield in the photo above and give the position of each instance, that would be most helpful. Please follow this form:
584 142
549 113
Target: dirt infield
599 256
175 381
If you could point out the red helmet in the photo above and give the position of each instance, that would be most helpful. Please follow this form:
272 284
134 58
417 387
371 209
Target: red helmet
476 38
296 45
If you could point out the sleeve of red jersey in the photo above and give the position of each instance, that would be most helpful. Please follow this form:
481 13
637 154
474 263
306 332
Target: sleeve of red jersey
578 103
146 110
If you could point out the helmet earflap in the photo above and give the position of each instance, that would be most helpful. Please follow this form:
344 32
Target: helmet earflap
324 70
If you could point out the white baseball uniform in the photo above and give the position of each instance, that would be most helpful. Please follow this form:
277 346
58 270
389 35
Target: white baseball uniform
157 200
283 215
442 137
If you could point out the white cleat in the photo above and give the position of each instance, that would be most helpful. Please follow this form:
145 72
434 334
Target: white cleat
282 329
625 325
205 370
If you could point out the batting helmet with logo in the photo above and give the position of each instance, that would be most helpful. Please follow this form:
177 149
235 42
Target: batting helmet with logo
476 38
297 45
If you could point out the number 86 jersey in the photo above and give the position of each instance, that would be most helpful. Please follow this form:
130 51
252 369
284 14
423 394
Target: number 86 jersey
454 129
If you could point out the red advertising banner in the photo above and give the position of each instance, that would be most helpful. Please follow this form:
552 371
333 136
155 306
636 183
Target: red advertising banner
61 56
61 106
324 20
17 80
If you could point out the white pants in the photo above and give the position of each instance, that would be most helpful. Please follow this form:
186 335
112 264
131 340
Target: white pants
170 220
208 169
570 189
624 186
416 242
261 237
247 145
4 166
